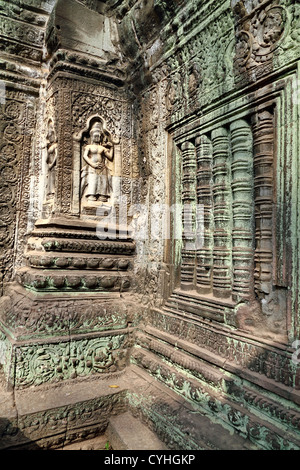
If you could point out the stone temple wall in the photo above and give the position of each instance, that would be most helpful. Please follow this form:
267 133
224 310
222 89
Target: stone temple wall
219 127
197 105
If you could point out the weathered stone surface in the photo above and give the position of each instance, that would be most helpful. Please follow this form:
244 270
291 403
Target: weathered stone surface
114 117
125 432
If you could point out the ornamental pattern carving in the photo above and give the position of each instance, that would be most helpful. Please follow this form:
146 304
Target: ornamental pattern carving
64 317
85 105
208 394
16 126
274 365
259 33
194 78
86 419
21 32
44 363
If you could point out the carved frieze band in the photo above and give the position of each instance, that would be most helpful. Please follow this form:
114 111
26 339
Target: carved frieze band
207 392
241 352
45 363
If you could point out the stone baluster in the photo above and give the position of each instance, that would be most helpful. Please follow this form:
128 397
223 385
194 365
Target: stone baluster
263 136
205 202
222 262
189 212
242 210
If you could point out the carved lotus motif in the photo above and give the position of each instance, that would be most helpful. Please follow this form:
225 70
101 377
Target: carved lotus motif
123 264
107 282
62 262
79 263
73 281
108 263
91 282
126 284
46 262
39 283
58 282
93 263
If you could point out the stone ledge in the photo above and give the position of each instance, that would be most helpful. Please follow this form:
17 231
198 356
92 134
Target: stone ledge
58 415
125 432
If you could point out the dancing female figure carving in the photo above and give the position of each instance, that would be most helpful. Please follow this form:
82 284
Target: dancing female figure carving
96 177
51 160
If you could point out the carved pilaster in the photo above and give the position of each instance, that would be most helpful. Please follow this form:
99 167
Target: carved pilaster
263 134
65 155
242 209
189 222
204 199
222 213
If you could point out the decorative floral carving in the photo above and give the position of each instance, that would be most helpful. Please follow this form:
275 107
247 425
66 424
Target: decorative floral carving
85 105
43 363
258 34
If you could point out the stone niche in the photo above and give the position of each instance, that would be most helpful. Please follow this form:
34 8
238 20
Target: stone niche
147 105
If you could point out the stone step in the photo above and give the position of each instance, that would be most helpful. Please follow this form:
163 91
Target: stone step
125 432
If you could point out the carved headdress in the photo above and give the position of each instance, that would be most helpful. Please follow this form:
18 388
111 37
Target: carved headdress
96 127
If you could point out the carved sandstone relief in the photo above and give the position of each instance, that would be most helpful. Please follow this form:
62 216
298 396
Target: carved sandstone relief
260 30
217 177
44 363
228 186
97 156
17 126
51 160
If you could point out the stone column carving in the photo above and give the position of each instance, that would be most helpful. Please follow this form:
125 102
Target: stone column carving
222 214
189 212
204 199
263 134
242 209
